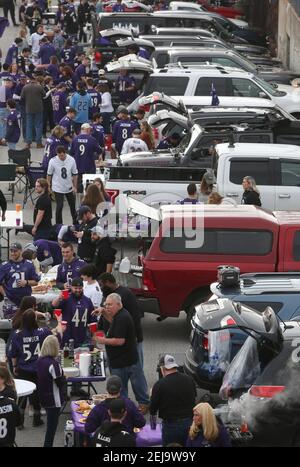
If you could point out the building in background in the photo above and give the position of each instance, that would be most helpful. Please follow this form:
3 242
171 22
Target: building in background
289 33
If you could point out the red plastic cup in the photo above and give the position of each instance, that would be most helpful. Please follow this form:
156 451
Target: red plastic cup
65 294
64 323
93 327
100 334
57 312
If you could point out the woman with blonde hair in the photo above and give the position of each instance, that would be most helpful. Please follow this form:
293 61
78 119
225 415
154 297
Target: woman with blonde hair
147 134
51 386
207 430
251 193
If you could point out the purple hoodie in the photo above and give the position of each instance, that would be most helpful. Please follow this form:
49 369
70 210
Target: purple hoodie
222 441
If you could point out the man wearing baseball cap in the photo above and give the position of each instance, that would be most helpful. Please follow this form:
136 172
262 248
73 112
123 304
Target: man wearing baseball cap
104 256
88 220
173 397
133 418
17 276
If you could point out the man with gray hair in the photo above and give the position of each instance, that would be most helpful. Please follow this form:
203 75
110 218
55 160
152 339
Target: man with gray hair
121 348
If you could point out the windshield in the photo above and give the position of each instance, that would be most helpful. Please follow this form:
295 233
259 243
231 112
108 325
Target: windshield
268 87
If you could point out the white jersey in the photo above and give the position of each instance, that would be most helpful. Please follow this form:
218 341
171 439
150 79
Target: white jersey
34 41
93 292
62 173
134 145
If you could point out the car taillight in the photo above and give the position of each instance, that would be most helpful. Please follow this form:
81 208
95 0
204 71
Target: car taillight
227 321
113 194
266 391
145 108
148 281
205 342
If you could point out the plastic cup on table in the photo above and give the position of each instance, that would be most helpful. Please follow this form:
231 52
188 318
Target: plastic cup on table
18 207
18 222
93 327
65 294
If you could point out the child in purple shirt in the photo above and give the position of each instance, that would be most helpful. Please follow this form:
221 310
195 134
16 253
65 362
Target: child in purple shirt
12 125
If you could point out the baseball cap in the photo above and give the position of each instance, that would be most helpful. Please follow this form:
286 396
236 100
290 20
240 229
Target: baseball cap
168 362
86 126
15 246
117 406
98 230
77 282
31 247
114 385
209 177
83 210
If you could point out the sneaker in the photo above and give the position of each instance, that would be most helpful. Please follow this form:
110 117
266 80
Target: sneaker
144 409
37 421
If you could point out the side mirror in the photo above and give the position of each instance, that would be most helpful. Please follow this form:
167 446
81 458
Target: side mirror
125 266
262 95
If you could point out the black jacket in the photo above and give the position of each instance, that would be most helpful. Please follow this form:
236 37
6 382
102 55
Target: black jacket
86 248
113 435
104 255
251 197
3 202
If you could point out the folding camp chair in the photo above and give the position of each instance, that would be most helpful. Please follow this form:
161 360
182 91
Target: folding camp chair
32 175
20 157
8 174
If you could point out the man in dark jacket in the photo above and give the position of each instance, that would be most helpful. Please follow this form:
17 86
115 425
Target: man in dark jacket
104 257
86 247
113 433
100 413
32 94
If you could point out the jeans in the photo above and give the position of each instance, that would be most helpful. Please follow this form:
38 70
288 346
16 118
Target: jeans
106 116
140 351
11 145
3 116
52 422
176 431
34 397
34 121
59 198
135 374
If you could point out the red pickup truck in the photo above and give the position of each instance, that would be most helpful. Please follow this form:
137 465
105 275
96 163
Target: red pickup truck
227 11
176 278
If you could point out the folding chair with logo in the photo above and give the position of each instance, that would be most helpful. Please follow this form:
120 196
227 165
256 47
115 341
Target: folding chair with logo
22 158
32 175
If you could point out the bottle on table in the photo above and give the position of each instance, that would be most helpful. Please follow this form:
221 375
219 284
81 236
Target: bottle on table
69 434
66 351
71 348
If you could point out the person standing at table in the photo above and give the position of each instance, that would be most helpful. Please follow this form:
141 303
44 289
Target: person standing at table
112 433
77 312
173 396
42 214
70 267
51 385
17 276
25 348
100 413
121 348
62 178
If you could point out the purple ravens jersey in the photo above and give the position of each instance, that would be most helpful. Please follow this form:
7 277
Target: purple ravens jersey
68 124
12 127
85 149
50 150
68 271
26 347
78 314
47 249
96 101
122 130
122 85
49 370
59 104
11 272
98 133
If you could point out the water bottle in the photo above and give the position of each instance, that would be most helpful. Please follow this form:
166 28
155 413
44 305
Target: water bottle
69 434
2 351
71 348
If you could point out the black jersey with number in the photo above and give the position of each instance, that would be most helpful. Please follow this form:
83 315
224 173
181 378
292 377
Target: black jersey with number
10 418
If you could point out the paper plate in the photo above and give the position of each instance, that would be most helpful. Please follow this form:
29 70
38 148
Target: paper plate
71 371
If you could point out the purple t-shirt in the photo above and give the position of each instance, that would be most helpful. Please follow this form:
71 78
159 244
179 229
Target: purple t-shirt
48 370
13 127
53 70
85 149
122 130
124 82
67 55
50 150
98 133
68 271
68 124
26 347
59 104
78 314
47 249
96 101
11 272
46 52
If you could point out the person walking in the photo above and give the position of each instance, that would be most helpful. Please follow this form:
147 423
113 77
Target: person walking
33 94
106 107
121 348
13 131
62 178
112 433
9 6
69 268
81 101
6 93
100 413
42 214
17 276
51 385
207 431
173 397
52 143
251 193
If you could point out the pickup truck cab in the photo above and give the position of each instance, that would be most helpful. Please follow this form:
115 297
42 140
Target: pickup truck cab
245 236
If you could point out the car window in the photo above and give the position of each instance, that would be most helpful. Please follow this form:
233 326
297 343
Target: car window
219 242
296 246
244 88
259 170
224 61
261 306
204 86
162 59
169 85
290 173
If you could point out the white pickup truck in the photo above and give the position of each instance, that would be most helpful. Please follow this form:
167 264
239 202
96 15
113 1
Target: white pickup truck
275 167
